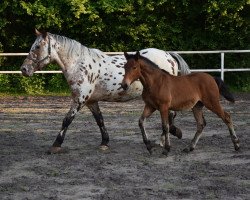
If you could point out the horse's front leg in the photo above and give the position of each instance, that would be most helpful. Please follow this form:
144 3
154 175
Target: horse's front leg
56 147
175 131
94 108
165 128
148 110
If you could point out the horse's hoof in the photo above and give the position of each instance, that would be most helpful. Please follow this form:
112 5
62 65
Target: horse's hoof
103 147
56 150
150 151
178 133
165 152
175 131
237 147
188 149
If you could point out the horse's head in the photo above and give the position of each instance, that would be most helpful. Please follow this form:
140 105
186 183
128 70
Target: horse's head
39 55
132 70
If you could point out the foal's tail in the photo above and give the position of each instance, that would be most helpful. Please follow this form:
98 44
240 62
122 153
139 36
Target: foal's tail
224 90
183 66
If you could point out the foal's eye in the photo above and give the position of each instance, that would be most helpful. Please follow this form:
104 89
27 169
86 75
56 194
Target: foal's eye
134 67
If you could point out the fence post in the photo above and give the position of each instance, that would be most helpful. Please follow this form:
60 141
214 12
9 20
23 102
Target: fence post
222 55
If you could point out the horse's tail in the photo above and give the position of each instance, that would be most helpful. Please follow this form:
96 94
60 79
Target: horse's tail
224 90
183 66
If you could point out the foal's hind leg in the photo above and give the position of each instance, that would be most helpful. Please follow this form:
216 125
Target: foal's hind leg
229 123
200 122
148 110
225 116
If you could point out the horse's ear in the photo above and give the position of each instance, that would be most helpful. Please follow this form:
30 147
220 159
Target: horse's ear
126 55
137 55
37 32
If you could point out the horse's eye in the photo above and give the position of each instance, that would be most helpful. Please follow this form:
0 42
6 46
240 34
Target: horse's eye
37 47
134 67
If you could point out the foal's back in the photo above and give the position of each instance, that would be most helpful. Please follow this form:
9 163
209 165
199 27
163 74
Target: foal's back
185 91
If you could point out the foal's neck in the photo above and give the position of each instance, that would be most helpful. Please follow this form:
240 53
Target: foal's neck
149 75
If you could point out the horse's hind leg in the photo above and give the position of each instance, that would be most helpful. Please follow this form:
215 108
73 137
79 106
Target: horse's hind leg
148 110
200 122
228 121
94 108
56 147
225 116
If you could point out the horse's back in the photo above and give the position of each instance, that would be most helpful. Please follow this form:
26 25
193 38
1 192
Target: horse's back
161 58
205 84
192 83
202 78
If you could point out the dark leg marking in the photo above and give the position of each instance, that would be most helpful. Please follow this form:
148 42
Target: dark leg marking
94 108
56 147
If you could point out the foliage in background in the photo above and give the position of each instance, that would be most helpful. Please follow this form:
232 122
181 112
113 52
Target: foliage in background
127 25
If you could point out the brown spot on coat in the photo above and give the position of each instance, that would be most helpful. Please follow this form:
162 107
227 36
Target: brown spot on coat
171 62
71 82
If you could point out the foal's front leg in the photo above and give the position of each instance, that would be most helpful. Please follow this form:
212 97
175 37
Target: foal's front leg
56 147
148 110
165 129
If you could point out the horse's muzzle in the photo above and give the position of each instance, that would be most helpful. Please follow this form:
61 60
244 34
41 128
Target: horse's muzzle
124 86
26 70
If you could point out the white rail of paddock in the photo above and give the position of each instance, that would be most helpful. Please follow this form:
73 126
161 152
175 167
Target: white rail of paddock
222 68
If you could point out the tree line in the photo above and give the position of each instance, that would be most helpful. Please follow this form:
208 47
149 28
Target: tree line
126 25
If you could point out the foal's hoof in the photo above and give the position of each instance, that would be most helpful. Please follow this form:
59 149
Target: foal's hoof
178 133
175 131
150 146
188 149
103 147
165 152
56 150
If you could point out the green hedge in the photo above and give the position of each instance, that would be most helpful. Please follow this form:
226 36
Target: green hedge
126 25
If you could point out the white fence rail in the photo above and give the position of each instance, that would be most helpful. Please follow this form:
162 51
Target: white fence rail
222 68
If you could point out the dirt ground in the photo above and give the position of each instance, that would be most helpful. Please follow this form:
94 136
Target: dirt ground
29 125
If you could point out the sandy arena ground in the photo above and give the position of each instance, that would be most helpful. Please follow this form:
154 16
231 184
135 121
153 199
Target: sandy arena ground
29 125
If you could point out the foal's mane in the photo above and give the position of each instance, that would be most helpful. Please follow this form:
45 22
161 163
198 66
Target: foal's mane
152 64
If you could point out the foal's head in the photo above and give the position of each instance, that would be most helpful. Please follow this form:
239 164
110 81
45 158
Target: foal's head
132 69
39 54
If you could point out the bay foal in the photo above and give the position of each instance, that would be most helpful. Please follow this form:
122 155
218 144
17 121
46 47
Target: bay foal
164 92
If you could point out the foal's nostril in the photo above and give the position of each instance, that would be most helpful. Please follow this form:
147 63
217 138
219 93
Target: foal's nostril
124 86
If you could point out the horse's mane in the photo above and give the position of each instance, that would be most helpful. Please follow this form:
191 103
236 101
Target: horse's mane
74 47
152 64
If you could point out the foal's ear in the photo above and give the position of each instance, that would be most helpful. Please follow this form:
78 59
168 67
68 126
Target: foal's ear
126 55
137 55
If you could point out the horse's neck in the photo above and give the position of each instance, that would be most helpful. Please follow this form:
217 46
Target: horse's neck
149 75
71 52
67 51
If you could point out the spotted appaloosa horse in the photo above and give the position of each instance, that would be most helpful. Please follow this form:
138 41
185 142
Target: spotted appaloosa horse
163 91
92 76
